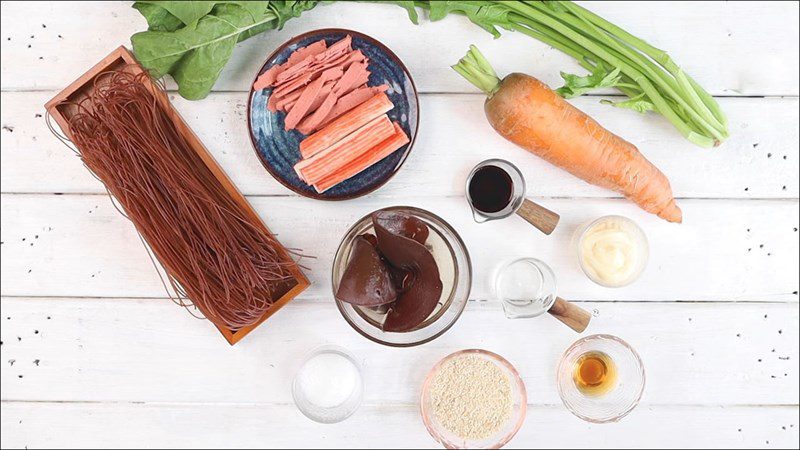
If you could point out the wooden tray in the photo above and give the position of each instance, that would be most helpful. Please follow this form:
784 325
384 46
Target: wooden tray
122 58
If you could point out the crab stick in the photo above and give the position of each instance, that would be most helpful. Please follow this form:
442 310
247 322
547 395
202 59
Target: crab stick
350 101
345 124
339 154
365 161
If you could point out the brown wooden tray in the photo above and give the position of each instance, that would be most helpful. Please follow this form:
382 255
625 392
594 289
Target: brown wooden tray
122 58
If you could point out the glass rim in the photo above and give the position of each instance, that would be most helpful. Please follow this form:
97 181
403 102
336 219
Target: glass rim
637 359
643 265
516 379
467 274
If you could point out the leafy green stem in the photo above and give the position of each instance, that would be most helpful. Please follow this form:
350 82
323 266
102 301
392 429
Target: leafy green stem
477 70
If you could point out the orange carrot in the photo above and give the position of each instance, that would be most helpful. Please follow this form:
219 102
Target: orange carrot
365 161
339 154
346 124
528 113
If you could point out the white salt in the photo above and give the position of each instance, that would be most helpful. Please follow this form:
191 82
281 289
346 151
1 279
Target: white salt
328 380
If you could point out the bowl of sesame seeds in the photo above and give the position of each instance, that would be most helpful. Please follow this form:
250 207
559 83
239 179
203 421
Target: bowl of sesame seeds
473 399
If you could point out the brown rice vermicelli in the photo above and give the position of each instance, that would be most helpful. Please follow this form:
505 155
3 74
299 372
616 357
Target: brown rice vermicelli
216 255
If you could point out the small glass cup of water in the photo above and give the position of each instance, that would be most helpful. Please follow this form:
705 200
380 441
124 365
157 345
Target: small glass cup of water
526 287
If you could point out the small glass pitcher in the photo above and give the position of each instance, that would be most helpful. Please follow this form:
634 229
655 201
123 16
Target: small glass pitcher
537 215
527 288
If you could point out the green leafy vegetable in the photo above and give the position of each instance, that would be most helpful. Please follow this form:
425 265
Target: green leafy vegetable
614 58
477 70
158 18
410 8
196 53
486 15
193 41
575 86
186 12
638 104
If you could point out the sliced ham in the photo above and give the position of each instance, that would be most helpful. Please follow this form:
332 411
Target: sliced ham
307 98
339 154
320 112
292 97
355 75
304 52
333 52
308 127
310 73
365 161
269 77
345 124
350 101
266 79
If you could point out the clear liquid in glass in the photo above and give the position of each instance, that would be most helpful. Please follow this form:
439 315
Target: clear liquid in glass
526 287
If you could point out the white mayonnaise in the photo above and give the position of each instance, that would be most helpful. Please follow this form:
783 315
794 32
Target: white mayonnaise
613 251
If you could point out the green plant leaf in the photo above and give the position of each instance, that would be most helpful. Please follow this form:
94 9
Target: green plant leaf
488 16
410 7
600 77
195 56
286 10
158 18
639 103
187 12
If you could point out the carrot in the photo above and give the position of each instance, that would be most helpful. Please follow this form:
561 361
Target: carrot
528 113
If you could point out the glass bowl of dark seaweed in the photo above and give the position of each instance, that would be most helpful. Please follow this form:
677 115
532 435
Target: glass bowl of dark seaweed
401 276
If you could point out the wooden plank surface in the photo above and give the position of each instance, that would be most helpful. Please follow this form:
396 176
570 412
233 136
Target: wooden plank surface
726 249
759 161
88 425
753 44
127 350
93 356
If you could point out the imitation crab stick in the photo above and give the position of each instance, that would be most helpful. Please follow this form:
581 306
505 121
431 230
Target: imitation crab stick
339 154
365 161
528 113
348 102
346 124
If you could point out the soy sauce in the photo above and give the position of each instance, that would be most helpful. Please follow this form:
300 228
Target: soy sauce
490 189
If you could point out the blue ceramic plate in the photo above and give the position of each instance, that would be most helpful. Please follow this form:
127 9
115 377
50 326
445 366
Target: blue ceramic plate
279 150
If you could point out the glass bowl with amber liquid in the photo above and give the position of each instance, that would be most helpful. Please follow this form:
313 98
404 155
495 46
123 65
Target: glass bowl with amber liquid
600 378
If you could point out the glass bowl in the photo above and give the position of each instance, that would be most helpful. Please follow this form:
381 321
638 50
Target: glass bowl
640 241
330 409
519 398
455 270
621 398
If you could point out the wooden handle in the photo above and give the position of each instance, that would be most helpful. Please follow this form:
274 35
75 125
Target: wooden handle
570 315
538 216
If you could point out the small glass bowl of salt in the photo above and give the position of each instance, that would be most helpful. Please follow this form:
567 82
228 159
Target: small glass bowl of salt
328 388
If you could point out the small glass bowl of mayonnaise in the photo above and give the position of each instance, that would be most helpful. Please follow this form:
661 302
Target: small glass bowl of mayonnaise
612 251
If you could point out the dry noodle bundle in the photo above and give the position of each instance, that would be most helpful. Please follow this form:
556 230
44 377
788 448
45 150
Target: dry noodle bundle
213 251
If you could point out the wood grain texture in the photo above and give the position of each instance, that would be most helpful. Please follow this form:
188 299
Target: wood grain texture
760 160
59 425
570 314
715 316
748 59
149 350
63 113
724 250
538 216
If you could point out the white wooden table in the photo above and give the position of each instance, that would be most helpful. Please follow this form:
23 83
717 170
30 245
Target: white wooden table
93 355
